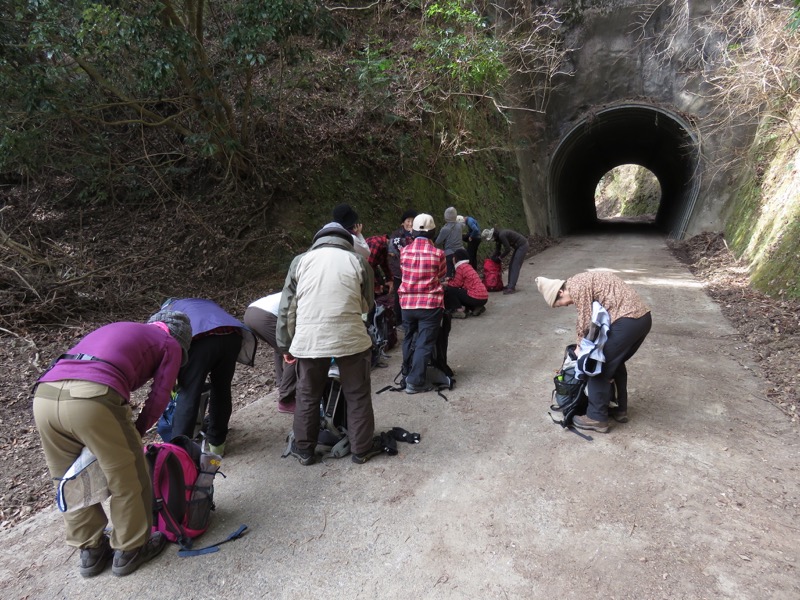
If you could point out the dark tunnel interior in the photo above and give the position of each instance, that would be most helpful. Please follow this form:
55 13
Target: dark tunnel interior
630 134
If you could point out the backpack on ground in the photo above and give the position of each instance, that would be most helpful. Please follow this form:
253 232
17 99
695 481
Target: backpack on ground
437 372
381 328
569 393
493 275
183 492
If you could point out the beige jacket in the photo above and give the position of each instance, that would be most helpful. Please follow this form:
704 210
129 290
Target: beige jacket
326 291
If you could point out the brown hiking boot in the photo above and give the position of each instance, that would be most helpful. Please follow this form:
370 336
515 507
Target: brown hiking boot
584 422
127 561
620 416
95 560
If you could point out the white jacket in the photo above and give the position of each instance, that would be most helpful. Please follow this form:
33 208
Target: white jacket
326 291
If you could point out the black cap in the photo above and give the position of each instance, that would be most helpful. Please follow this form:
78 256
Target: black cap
345 216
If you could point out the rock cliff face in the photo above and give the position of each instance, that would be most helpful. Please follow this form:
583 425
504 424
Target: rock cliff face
632 91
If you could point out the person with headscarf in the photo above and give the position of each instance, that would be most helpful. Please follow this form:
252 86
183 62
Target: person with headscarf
449 239
83 401
506 242
219 341
326 291
630 322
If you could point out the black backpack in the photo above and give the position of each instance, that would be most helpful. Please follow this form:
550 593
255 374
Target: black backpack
437 372
568 397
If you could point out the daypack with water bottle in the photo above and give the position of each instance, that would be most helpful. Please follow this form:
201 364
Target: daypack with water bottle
183 492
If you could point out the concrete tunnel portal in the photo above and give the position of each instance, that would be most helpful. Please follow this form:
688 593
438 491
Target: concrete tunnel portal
646 135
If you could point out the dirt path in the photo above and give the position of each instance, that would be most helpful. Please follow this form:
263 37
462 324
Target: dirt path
695 497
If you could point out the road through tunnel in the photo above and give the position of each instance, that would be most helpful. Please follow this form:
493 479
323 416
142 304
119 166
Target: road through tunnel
645 135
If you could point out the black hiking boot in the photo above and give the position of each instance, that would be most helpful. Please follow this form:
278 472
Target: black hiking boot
363 457
306 457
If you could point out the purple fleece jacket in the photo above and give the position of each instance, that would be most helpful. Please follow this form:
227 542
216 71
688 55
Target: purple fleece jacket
137 353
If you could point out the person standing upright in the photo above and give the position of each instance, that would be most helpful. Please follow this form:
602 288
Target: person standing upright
450 238
422 301
327 289
506 242
399 239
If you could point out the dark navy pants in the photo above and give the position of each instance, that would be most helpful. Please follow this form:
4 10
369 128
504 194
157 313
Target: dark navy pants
424 322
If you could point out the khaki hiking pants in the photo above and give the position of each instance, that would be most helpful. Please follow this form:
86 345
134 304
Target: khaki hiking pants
71 414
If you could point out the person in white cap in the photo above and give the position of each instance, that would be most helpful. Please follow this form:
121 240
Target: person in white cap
422 301
630 324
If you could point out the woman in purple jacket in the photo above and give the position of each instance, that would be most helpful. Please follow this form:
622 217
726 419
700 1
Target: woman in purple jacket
83 401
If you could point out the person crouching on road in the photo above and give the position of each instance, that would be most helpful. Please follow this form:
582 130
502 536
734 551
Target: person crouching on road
422 301
83 401
630 323
465 294
326 291
262 318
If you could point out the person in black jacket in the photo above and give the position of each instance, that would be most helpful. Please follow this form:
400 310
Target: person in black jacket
508 241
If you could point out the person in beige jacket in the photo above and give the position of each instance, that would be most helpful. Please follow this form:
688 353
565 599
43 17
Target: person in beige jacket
327 290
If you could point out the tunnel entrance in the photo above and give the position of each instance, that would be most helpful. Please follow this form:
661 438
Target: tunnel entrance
645 135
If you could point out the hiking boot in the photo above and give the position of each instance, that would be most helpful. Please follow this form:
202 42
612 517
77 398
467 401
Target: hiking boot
620 416
363 457
306 457
95 560
413 389
479 311
459 314
218 450
286 407
509 290
584 422
127 561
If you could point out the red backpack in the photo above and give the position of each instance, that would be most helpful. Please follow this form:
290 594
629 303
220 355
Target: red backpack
183 492
493 275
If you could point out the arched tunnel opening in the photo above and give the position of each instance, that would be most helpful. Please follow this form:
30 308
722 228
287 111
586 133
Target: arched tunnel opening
644 135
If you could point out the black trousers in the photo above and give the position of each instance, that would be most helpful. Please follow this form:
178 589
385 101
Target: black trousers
212 356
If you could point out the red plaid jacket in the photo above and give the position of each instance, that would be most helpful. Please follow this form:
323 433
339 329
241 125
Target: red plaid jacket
423 267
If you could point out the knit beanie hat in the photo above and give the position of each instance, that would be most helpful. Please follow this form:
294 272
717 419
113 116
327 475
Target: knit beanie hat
487 234
409 214
180 327
450 215
549 289
460 255
345 216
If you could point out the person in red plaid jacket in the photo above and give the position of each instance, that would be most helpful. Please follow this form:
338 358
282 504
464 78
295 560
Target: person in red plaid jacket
379 259
422 301
465 294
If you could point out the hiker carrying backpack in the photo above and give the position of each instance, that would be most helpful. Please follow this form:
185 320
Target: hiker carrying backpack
183 492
